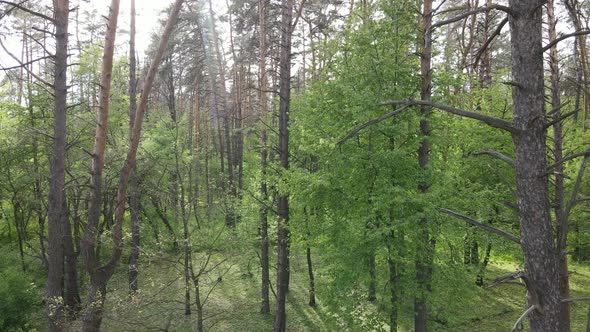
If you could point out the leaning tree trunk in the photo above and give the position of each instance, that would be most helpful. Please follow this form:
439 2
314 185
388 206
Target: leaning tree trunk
280 323
55 251
541 260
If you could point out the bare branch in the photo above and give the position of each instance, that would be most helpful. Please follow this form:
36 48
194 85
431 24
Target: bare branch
523 317
488 228
576 189
471 12
294 25
23 66
370 123
489 120
496 154
566 36
26 63
559 119
570 157
19 6
576 299
493 36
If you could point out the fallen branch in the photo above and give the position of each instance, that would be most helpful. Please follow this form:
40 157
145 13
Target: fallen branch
488 228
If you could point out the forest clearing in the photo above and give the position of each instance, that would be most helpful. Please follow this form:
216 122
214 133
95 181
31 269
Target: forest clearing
294 165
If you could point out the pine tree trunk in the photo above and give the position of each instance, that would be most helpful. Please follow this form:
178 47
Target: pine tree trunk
55 250
426 242
280 324
541 260
265 306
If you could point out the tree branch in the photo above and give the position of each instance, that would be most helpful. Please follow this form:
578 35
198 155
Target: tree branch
559 119
488 228
493 36
19 6
469 13
496 154
489 120
570 157
523 317
566 36
576 189
23 66
383 117
26 63
294 25
576 299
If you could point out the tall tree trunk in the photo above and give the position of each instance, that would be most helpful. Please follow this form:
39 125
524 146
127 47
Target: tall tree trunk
99 275
230 213
55 250
72 293
541 260
426 242
92 316
265 306
134 185
558 202
280 324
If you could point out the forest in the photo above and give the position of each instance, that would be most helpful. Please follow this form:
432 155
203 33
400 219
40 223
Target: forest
295 165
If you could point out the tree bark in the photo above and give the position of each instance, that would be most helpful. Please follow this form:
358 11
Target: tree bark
99 275
280 323
426 242
92 317
134 185
536 230
560 216
55 250
265 306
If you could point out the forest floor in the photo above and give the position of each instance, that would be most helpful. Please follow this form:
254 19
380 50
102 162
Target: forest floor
230 292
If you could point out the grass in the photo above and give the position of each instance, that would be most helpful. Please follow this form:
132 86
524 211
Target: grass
233 303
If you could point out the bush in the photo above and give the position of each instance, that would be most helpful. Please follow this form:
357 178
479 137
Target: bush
20 295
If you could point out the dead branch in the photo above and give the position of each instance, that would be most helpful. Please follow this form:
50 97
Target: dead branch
481 225
523 317
471 12
493 36
566 36
21 7
489 120
370 123
496 154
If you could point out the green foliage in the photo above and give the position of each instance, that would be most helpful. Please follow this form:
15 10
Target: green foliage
19 293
